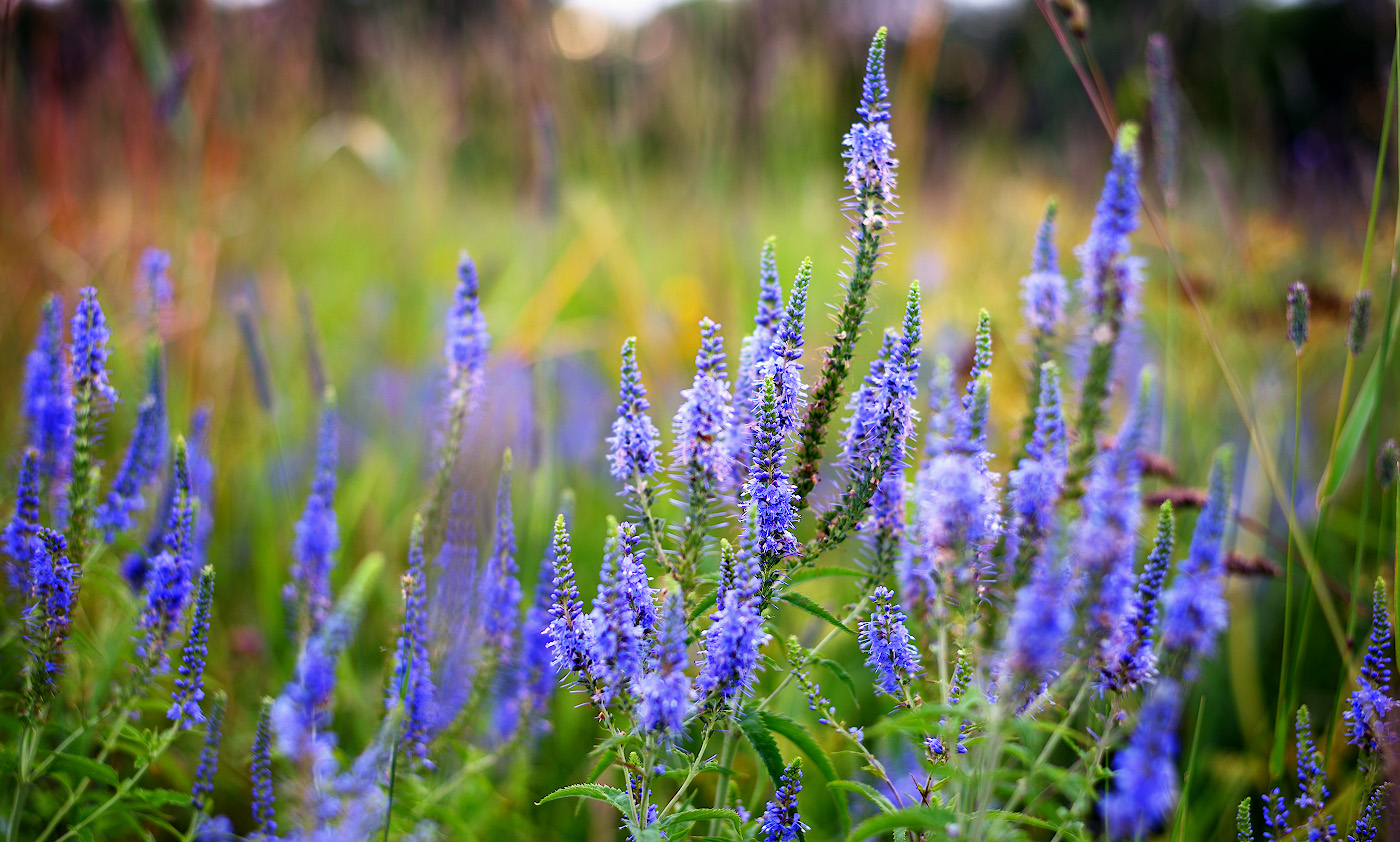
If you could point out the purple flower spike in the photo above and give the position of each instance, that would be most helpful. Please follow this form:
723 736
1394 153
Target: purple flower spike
664 693
21 533
170 578
317 533
500 585
734 636
534 673
1312 780
769 489
413 676
54 590
941 412
634 440
1370 703
622 613
203 786
1044 293
144 455
781 820
1103 541
1036 484
264 800
872 410
753 358
467 338
867 147
705 415
48 393
783 364
885 640
189 684
1368 824
1144 787
1110 281
1040 624
1137 660
569 631
1194 609
154 289
90 337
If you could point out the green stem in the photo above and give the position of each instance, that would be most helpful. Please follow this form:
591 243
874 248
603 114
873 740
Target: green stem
1055 737
726 761
434 520
1284 688
82 786
23 778
645 495
694 765
123 789
836 365
1100 749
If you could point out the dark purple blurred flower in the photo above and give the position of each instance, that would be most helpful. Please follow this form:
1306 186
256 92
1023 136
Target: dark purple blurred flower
48 393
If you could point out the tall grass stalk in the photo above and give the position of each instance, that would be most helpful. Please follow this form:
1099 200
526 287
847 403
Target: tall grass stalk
1284 687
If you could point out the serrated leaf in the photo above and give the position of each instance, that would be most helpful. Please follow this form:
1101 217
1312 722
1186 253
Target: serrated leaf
912 818
84 767
596 792
808 574
701 814
841 674
792 730
866 790
763 744
811 607
705 604
650 834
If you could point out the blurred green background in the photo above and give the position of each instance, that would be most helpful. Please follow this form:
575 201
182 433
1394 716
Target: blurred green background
315 167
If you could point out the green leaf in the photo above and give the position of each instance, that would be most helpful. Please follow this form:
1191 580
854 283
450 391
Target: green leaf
596 792
763 744
865 789
913 818
806 604
605 760
705 768
785 726
808 574
84 767
701 814
161 797
1361 411
705 604
1022 818
840 673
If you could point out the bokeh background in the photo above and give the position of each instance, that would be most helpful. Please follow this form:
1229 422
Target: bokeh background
315 166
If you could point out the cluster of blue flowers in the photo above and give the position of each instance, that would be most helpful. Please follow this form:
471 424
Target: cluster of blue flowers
981 601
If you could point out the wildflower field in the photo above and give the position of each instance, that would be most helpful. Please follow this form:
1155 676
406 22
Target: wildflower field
1076 517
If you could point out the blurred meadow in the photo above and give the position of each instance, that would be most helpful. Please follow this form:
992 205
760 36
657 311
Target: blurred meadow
314 169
